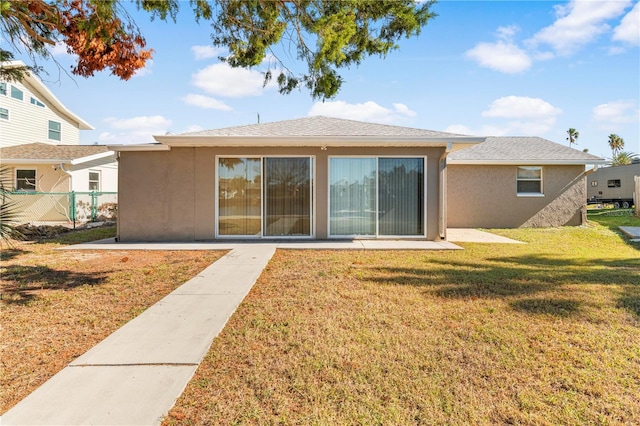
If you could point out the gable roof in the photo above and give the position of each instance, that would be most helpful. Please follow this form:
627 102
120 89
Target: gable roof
317 131
42 153
38 88
523 150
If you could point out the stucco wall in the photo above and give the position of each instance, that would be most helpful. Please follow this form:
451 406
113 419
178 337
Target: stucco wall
485 197
171 195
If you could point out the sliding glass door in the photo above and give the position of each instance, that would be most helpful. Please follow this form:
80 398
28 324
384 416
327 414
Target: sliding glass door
278 205
239 197
371 196
287 209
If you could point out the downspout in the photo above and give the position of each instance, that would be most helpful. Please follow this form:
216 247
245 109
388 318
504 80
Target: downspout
442 193
72 195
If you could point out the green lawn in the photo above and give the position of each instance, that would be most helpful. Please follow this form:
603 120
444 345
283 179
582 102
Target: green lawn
546 332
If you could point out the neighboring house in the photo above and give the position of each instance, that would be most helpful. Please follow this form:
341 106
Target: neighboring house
43 176
29 113
512 182
40 145
322 177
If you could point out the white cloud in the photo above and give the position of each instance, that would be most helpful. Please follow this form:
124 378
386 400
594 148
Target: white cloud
193 128
134 130
500 56
222 80
616 113
521 107
206 52
629 29
367 111
507 32
59 49
577 24
203 101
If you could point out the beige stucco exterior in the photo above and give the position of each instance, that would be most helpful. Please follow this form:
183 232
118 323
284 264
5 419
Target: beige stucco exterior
171 195
484 196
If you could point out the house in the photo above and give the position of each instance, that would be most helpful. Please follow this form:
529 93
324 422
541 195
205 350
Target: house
313 177
513 182
40 148
29 113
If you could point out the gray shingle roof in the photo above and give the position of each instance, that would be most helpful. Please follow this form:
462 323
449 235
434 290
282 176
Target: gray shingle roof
43 151
524 148
321 126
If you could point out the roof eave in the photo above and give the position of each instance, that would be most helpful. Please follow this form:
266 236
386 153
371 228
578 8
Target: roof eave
525 162
141 147
314 141
93 157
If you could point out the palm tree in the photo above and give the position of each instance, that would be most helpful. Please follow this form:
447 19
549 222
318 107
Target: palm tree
8 213
573 136
623 158
616 143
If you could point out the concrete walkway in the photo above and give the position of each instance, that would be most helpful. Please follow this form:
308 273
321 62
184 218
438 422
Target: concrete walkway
134 376
633 232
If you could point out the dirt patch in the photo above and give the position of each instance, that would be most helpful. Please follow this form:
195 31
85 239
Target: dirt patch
55 305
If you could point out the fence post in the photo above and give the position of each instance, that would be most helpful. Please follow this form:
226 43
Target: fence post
636 193
72 207
94 206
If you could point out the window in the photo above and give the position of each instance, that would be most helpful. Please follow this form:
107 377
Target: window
594 183
529 180
3 88
36 102
54 130
94 180
613 183
376 196
265 196
4 113
16 93
25 179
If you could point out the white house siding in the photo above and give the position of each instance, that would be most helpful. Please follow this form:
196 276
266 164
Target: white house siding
30 123
108 177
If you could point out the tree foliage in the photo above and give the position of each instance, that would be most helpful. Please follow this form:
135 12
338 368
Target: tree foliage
623 158
327 34
573 136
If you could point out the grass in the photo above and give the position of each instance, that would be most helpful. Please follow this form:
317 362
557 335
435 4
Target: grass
55 304
546 332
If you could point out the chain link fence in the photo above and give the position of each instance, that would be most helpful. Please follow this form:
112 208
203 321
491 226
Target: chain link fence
45 208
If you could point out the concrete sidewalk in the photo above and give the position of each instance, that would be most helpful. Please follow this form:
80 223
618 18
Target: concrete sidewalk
134 376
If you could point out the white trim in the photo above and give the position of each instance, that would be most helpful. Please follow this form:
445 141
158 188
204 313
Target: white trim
541 180
547 162
314 141
93 157
141 147
99 172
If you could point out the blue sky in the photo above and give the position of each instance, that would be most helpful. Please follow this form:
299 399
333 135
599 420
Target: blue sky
496 68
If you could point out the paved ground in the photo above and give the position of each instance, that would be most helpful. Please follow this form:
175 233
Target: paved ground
632 232
134 376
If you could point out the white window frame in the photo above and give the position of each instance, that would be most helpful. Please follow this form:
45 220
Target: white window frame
35 178
4 86
50 130
36 102
262 235
2 116
99 181
377 235
16 88
541 180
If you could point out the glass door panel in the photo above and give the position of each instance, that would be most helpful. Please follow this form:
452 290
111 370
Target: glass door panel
239 197
352 196
401 196
288 197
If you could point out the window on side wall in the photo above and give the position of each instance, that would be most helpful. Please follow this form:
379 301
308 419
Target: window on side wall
36 102
4 114
613 183
94 181
529 181
3 88
16 93
54 130
25 180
